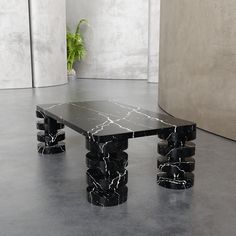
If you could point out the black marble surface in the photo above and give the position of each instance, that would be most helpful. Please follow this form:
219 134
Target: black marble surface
105 120
107 126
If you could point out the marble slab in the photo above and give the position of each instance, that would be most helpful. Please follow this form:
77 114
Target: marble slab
106 120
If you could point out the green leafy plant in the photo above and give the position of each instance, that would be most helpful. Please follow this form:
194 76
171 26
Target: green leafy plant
76 50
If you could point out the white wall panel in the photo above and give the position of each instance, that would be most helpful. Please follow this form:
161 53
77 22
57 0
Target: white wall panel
154 35
15 59
48 23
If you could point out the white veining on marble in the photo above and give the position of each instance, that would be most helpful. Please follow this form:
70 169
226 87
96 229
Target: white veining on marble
42 113
108 122
91 195
41 148
119 177
63 149
53 106
105 161
98 128
172 181
114 185
94 181
174 166
52 137
136 110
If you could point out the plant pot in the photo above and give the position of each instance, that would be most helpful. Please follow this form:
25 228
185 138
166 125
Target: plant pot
71 74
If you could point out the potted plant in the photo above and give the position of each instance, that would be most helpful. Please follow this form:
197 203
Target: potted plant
76 50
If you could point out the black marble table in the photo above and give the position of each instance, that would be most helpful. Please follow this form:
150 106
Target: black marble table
107 126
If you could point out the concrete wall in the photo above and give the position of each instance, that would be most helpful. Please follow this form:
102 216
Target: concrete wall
122 40
154 35
15 60
46 20
198 63
48 28
117 39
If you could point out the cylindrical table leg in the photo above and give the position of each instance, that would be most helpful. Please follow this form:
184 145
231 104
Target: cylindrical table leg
50 135
176 163
107 176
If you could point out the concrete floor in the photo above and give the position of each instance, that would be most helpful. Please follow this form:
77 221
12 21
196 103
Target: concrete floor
45 195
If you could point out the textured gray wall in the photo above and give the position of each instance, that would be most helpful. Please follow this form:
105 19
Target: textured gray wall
198 63
154 36
15 60
117 39
48 23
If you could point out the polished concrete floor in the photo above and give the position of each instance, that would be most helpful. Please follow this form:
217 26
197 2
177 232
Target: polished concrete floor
45 195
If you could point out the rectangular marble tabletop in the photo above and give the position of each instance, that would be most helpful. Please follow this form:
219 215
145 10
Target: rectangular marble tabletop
104 120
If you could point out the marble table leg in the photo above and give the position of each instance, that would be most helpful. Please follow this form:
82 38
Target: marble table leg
176 163
107 176
50 135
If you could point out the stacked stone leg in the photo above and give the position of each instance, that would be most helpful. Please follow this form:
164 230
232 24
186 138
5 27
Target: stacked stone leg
107 176
50 135
176 163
